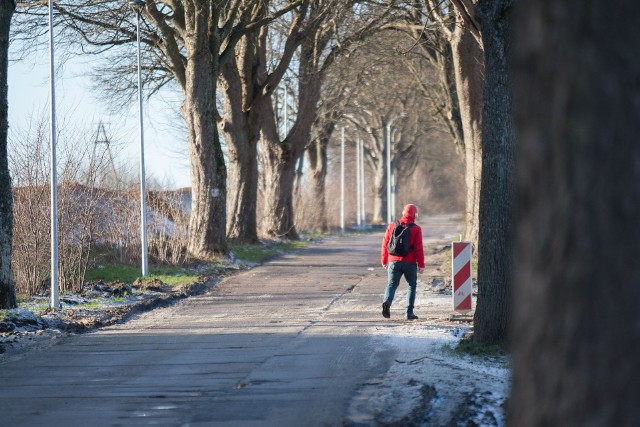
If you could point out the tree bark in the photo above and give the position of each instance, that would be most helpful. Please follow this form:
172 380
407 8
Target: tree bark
207 224
240 128
492 315
380 192
7 287
576 329
469 74
280 156
278 175
451 104
318 163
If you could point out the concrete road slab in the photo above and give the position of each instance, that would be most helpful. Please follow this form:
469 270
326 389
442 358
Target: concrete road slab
289 343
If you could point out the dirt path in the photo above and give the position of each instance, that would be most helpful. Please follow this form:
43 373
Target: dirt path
298 341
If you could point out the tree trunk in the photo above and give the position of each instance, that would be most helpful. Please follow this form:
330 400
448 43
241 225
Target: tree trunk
576 330
207 224
318 162
280 157
469 73
380 193
240 130
278 175
492 314
449 111
7 287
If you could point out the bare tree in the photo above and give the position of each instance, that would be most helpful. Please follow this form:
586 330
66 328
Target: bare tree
449 35
382 94
7 288
342 28
317 33
479 41
186 43
576 333
248 81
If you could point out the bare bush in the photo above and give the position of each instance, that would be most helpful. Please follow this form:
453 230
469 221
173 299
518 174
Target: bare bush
80 205
168 225
31 239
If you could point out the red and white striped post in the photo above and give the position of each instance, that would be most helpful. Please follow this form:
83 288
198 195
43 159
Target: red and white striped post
461 272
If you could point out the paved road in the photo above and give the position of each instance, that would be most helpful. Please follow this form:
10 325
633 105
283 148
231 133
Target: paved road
284 344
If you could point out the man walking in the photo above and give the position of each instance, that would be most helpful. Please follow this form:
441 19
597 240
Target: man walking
404 259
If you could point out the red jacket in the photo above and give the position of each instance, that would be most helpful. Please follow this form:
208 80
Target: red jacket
416 253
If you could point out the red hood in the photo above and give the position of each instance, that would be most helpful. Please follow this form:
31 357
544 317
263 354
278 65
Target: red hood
409 214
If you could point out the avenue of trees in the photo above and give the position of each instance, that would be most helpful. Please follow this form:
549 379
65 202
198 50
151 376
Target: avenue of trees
538 97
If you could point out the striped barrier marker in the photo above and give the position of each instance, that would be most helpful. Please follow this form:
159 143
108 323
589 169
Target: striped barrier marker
461 272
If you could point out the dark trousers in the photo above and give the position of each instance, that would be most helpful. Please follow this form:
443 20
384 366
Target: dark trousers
395 271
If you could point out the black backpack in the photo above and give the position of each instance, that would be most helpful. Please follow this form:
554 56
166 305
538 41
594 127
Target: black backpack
399 243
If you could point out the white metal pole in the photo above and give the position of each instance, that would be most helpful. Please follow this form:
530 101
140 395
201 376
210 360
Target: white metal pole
362 181
55 295
389 213
342 182
285 105
358 180
393 182
393 192
143 201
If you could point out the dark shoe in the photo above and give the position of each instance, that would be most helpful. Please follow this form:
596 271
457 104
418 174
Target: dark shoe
385 310
411 316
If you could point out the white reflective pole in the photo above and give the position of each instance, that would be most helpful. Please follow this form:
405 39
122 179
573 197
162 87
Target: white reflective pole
393 182
358 189
362 192
393 192
55 295
285 105
389 214
342 182
143 201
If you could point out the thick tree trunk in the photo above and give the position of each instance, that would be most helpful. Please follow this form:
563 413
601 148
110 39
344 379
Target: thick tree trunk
318 163
207 224
576 329
280 157
240 130
243 190
469 73
495 238
380 193
7 288
278 176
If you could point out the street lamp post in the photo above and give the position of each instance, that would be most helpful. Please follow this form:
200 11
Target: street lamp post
358 187
362 193
138 6
55 294
389 214
390 202
393 180
342 182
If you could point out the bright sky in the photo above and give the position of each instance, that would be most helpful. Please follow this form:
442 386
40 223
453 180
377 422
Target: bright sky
165 149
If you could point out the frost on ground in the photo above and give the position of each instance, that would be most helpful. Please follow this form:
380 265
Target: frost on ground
431 385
